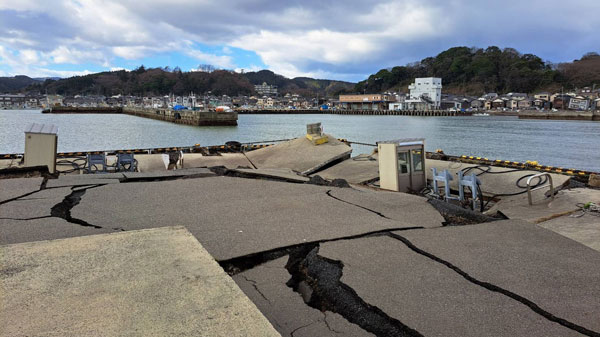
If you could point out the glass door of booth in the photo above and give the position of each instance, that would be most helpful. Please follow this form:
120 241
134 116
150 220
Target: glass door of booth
404 171
417 176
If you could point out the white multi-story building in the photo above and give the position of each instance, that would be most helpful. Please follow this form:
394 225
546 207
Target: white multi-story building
265 89
425 94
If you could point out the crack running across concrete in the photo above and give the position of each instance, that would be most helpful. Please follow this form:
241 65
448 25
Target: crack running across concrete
492 287
353 204
63 209
240 264
255 286
321 276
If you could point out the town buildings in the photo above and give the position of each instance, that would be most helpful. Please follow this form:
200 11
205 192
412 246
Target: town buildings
365 101
266 89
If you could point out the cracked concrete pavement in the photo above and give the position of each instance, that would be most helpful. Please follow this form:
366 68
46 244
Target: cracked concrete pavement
266 286
235 216
238 218
429 297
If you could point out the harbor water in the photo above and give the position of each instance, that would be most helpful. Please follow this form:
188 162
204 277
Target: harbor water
568 144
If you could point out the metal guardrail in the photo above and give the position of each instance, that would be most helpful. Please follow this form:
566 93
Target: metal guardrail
529 189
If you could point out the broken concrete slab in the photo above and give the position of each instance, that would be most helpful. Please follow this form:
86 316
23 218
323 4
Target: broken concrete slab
26 209
356 170
84 179
229 160
499 180
565 202
233 216
19 231
172 174
151 282
428 297
277 174
300 155
584 229
266 286
393 205
15 187
556 273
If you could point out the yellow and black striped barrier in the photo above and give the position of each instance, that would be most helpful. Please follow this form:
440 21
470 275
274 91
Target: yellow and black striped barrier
528 165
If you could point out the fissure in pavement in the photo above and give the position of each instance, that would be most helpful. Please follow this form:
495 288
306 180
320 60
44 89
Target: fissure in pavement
317 279
492 287
63 209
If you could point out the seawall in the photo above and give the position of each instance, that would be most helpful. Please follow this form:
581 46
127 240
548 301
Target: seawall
561 115
187 117
432 113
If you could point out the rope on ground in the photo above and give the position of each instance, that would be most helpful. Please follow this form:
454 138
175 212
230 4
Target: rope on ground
589 208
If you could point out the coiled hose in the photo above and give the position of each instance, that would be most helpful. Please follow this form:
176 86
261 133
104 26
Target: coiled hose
483 169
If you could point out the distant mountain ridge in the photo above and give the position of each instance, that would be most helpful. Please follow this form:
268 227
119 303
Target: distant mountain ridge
463 70
159 81
10 84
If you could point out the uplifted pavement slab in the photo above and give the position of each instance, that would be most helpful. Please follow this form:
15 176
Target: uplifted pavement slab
85 179
278 174
393 205
556 273
356 170
299 155
15 187
19 231
229 160
584 229
145 283
543 209
35 205
266 286
232 216
26 209
500 180
187 172
429 297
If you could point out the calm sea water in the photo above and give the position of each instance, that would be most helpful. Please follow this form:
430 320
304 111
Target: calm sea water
569 144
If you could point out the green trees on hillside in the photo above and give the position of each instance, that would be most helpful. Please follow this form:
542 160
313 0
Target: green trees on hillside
470 69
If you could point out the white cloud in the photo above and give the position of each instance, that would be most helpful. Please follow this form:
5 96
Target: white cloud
29 56
293 38
64 54
224 61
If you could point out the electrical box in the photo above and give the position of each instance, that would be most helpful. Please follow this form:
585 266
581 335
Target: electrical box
314 133
402 164
41 142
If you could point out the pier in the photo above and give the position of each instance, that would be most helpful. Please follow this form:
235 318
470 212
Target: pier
561 115
187 117
423 113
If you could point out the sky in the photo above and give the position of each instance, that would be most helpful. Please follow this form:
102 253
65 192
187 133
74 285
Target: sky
342 40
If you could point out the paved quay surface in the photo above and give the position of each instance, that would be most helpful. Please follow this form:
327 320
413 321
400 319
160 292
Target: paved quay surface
235 216
504 278
155 282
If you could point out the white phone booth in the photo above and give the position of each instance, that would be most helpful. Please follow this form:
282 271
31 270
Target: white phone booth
402 164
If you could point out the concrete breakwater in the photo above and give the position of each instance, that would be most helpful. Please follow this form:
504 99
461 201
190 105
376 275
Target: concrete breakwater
561 115
433 113
187 117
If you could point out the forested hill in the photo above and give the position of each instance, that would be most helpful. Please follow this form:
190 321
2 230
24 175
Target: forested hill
301 85
476 71
159 81
8 84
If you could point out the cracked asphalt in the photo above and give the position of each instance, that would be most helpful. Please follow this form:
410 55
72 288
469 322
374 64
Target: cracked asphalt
540 283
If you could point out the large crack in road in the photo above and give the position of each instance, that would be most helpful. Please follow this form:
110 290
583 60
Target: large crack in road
317 279
63 209
492 287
